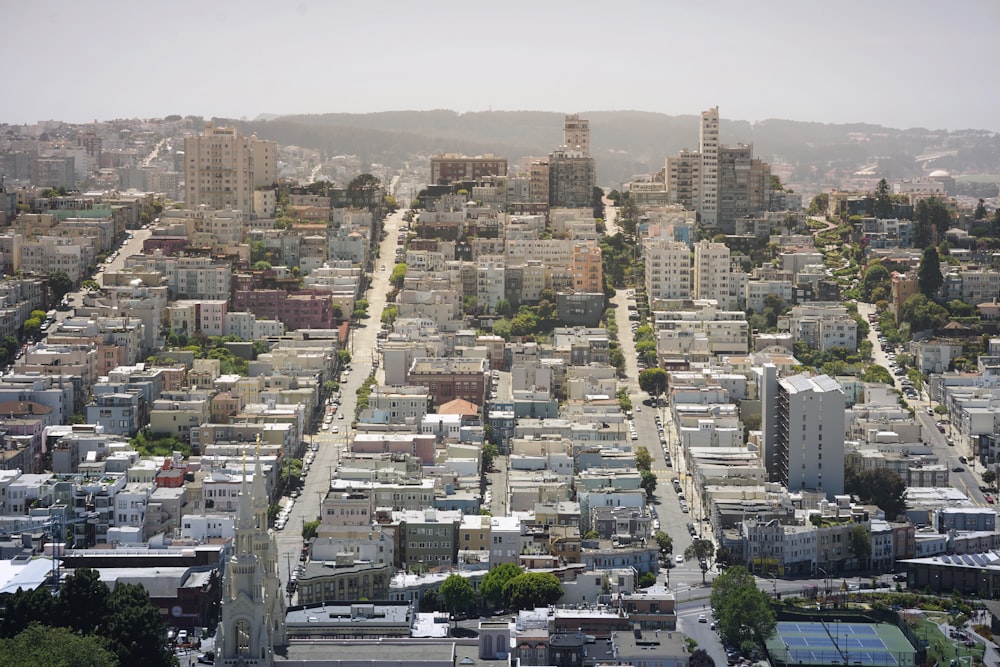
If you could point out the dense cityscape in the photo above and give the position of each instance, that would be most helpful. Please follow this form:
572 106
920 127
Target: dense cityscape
266 404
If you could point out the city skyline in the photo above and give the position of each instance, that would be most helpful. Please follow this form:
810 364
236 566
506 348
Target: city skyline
886 63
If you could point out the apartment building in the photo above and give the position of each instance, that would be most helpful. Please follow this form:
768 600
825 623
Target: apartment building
668 269
708 146
588 268
222 168
803 424
451 167
572 177
824 326
712 279
576 133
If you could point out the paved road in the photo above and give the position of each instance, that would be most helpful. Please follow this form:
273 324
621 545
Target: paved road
967 481
363 352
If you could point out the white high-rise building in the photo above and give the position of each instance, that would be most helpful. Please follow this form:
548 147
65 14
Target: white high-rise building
712 278
668 269
709 148
803 424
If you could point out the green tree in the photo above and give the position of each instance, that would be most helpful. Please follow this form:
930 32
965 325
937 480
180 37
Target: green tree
503 308
883 200
60 284
135 629
55 647
489 454
648 482
876 275
458 594
989 477
503 329
664 542
876 373
647 579
704 552
628 216
389 314
365 191
931 219
533 589
653 381
819 204
83 599
310 529
980 213
24 607
701 658
398 276
921 314
643 459
929 278
741 609
878 486
859 545
494 583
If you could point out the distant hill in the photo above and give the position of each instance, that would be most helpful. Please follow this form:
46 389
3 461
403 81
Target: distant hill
629 143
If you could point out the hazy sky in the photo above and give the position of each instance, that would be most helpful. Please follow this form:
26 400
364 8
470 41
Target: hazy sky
900 63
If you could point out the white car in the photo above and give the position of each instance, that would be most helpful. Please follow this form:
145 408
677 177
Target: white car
679 558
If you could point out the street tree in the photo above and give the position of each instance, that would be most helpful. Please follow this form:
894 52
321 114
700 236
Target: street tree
489 454
741 609
989 477
24 607
704 552
533 589
859 545
653 381
664 542
647 480
60 283
458 594
493 584
643 459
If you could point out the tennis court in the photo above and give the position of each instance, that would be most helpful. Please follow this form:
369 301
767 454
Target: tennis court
827 643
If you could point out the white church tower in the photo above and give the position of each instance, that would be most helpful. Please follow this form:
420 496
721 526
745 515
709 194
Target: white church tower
253 610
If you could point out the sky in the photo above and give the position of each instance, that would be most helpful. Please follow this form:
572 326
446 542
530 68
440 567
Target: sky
898 63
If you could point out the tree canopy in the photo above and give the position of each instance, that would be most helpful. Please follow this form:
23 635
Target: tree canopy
878 486
124 621
493 585
741 609
54 647
653 381
60 284
533 589
929 277
458 594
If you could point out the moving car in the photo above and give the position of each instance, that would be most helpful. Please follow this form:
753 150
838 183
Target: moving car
702 618
679 558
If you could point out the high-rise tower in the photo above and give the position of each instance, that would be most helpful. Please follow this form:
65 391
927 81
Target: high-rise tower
708 142
576 134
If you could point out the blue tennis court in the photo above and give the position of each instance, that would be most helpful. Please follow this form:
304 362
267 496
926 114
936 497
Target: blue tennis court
811 643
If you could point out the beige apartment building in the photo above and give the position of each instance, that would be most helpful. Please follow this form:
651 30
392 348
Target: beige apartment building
222 168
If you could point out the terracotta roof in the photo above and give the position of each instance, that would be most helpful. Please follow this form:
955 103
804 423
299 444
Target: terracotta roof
23 408
459 406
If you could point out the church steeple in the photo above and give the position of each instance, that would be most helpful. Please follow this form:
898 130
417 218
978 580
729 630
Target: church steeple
253 612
